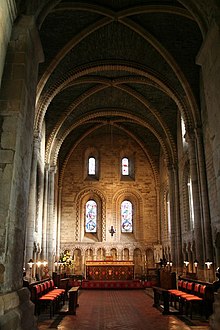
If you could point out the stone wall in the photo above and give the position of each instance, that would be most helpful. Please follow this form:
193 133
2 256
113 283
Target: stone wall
111 190
7 16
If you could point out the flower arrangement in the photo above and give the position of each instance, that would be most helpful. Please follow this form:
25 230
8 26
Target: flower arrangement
66 260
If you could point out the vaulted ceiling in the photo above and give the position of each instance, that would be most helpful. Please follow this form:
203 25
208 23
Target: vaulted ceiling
125 64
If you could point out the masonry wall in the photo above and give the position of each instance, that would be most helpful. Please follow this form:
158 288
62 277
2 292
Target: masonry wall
111 189
7 15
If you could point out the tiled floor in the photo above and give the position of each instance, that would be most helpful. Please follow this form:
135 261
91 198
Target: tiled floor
117 310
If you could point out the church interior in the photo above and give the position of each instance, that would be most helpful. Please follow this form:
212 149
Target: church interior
109 144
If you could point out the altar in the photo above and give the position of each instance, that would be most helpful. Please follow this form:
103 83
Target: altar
109 270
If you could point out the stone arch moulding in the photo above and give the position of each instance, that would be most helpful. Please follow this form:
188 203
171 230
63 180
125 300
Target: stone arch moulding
134 197
90 193
143 72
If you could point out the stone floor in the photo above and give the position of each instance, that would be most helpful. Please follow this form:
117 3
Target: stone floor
118 310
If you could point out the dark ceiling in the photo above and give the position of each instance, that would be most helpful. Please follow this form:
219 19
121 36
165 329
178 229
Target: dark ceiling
121 63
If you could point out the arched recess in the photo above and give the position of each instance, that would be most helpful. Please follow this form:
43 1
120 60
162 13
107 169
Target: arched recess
101 253
81 199
78 261
150 258
184 196
138 263
114 254
135 198
165 213
125 254
89 254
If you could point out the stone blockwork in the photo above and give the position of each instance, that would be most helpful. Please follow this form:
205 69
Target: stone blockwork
215 318
110 189
17 100
16 311
7 16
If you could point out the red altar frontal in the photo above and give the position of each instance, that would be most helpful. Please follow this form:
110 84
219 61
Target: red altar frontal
109 270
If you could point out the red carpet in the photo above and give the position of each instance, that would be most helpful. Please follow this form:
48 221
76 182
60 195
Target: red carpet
115 310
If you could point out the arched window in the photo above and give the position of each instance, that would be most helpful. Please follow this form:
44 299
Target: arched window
125 166
183 132
91 217
191 206
92 166
126 217
168 212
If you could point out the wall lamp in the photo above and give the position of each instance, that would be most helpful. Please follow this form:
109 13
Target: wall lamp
208 263
186 263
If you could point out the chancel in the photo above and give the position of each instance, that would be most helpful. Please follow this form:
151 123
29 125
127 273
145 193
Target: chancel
109 158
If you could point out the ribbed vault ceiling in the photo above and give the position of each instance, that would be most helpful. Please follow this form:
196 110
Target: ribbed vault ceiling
121 64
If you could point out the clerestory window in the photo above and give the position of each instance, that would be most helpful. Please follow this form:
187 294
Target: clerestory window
125 166
92 166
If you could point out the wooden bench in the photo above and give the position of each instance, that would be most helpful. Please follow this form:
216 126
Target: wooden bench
161 299
44 294
166 281
192 295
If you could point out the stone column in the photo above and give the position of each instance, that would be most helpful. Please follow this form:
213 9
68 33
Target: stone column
59 221
158 214
17 104
52 225
198 223
214 320
204 197
45 214
176 240
209 59
32 225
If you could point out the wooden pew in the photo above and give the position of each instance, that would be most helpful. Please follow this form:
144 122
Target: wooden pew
193 294
45 294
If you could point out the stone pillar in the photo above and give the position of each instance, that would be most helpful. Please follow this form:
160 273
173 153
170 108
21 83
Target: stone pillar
32 225
204 197
198 223
158 214
214 320
45 214
209 59
17 104
8 14
59 221
52 225
176 240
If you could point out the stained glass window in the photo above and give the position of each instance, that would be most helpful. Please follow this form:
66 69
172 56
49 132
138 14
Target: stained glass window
126 217
191 206
92 166
125 166
91 217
